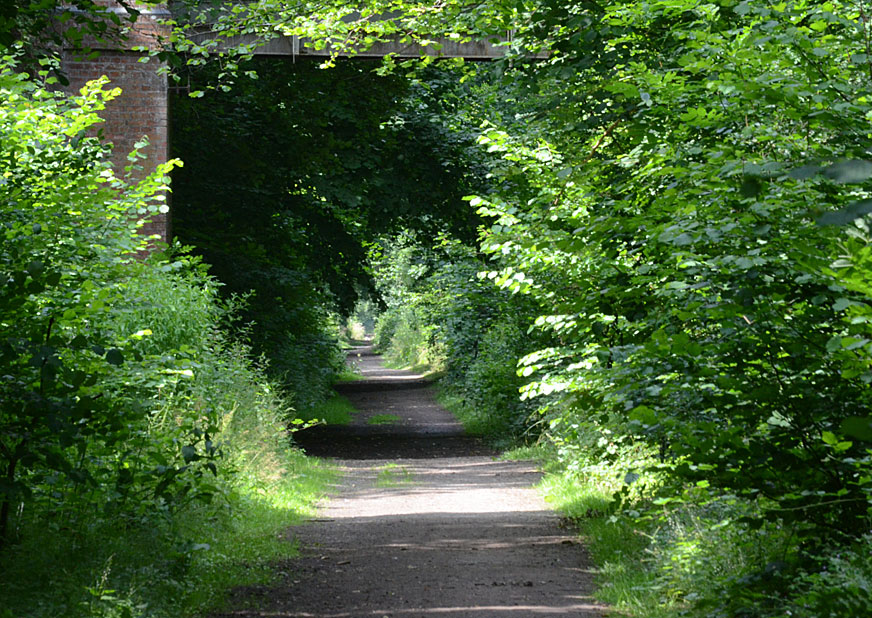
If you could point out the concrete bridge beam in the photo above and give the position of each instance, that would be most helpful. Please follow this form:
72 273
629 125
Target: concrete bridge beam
443 47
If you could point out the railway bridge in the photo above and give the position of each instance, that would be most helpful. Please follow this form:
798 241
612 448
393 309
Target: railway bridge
143 108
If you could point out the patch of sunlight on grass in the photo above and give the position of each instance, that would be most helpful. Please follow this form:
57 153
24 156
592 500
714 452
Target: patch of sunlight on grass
335 411
616 545
472 423
349 373
475 424
383 419
244 547
433 371
543 453
181 565
392 475
573 497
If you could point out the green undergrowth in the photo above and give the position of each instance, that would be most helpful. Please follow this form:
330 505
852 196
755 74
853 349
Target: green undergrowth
666 552
181 564
427 369
617 548
146 460
488 426
250 541
392 475
335 411
347 375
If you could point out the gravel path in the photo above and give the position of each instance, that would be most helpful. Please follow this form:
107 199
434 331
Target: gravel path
424 523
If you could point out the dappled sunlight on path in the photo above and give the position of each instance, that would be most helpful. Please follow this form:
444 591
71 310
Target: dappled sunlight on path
425 522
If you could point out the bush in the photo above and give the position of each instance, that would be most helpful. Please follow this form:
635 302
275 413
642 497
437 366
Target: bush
490 383
842 588
385 326
143 452
69 229
410 344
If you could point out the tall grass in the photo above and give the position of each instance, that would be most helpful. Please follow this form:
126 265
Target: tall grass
663 551
161 566
90 551
335 411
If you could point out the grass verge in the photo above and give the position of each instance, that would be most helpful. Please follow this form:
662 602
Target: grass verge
618 546
182 564
335 411
425 369
349 373
392 475
253 540
492 429
674 552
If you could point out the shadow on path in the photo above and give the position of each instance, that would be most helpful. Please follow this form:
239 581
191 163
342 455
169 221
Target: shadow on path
424 523
423 430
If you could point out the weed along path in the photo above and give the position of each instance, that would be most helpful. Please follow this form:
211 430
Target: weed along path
424 523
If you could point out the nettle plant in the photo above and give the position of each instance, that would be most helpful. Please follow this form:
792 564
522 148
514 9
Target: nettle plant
68 247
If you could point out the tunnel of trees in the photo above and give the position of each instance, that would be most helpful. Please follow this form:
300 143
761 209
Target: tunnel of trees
640 241
292 178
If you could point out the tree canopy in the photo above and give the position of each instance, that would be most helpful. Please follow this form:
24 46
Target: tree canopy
673 199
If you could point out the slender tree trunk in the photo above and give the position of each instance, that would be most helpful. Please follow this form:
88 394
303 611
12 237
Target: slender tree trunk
6 506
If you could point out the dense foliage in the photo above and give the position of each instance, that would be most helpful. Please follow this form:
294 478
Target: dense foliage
129 421
683 200
69 245
290 176
684 234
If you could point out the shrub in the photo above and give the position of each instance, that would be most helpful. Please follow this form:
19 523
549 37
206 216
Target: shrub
69 230
410 343
385 327
841 588
133 431
490 383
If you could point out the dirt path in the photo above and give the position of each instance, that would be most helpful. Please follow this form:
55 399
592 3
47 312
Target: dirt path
424 523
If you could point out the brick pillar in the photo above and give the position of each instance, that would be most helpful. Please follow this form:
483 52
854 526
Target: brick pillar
142 109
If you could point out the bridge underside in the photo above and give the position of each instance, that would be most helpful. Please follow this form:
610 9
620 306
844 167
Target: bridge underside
142 110
444 47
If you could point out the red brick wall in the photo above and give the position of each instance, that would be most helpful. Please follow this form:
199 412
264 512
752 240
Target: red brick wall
140 111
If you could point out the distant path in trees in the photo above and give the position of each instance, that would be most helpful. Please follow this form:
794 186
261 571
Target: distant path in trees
424 523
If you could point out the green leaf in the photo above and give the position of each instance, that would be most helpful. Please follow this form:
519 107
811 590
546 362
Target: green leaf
847 215
35 267
189 453
842 446
850 171
842 303
805 172
752 186
644 415
114 357
859 427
